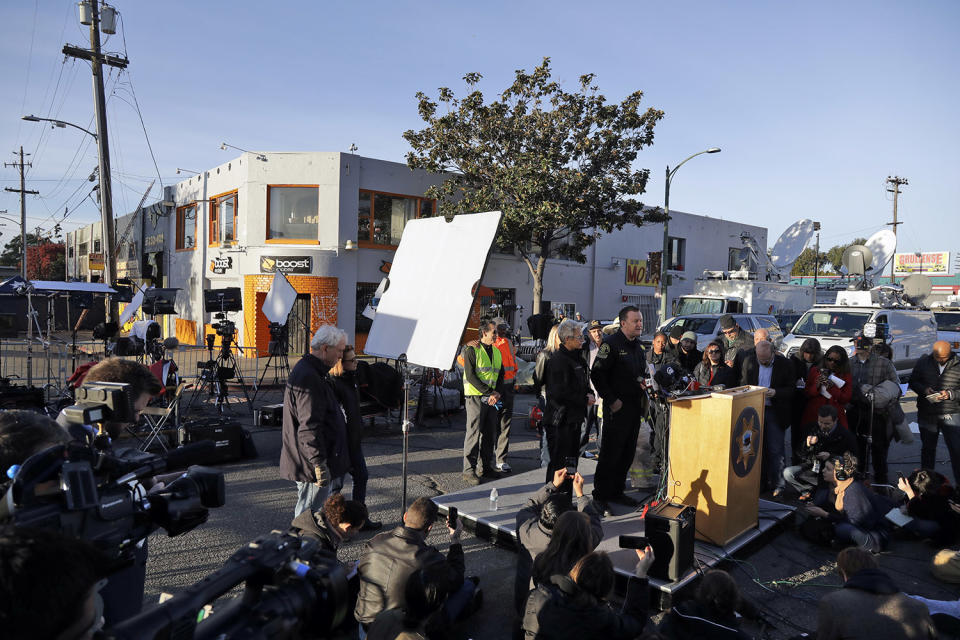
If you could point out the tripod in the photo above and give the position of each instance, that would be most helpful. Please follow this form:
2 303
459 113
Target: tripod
278 360
214 373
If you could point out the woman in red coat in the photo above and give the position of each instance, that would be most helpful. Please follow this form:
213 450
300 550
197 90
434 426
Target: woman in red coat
829 382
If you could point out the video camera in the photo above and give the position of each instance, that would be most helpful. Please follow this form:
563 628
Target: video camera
224 328
94 496
293 589
101 401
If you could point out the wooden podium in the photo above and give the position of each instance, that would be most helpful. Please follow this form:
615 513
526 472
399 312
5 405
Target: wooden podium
716 453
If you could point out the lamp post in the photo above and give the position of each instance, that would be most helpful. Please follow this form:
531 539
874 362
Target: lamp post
60 124
816 258
666 231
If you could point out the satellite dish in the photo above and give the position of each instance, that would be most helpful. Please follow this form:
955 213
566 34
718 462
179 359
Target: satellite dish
916 288
857 259
791 244
883 244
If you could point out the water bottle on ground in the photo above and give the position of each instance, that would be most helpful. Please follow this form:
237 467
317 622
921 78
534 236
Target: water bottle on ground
494 499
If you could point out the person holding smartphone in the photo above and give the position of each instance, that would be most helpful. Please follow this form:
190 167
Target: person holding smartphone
936 381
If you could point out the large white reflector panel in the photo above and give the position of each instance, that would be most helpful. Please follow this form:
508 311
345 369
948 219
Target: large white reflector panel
280 299
425 308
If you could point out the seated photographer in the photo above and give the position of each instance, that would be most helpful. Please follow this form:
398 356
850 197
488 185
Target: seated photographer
339 520
425 597
869 606
856 512
536 522
573 605
712 370
24 433
929 495
825 440
712 613
391 558
49 586
143 386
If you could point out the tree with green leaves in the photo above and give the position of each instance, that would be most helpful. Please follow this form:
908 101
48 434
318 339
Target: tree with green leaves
559 164
806 263
835 253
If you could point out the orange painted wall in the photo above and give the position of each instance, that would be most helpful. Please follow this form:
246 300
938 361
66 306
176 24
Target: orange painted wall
323 292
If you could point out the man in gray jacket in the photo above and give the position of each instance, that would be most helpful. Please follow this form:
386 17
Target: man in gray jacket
869 606
314 436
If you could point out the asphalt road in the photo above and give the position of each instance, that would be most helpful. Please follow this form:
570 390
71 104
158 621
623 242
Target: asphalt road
785 574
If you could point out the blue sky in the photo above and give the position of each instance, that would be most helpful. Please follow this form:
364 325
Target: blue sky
814 104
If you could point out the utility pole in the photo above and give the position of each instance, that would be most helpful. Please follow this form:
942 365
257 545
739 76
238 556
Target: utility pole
897 182
97 60
23 191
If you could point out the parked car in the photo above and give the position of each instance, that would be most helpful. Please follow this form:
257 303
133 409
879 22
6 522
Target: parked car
948 325
910 331
707 326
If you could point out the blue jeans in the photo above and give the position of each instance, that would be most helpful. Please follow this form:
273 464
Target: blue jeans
923 528
873 541
312 497
774 441
949 426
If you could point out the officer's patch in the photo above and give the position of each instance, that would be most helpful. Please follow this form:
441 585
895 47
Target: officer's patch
604 351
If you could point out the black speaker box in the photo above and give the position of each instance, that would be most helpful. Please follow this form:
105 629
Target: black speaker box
228 438
671 529
269 415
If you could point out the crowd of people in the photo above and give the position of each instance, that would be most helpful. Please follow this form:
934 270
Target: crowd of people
840 413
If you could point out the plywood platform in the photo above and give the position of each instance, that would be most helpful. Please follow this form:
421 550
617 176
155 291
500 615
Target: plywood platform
499 526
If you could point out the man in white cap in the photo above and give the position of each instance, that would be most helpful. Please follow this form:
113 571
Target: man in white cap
687 353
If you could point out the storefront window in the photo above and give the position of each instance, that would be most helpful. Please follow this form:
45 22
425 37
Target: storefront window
382 216
292 213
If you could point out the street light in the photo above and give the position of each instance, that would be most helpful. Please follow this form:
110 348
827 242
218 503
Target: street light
666 231
224 146
59 123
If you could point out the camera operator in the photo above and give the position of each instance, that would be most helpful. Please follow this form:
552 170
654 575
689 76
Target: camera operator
391 558
868 371
49 586
24 433
143 386
824 440
535 523
340 520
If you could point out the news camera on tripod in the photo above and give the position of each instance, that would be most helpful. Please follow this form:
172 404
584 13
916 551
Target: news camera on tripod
216 372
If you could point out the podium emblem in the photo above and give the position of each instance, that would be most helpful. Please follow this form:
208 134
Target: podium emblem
745 442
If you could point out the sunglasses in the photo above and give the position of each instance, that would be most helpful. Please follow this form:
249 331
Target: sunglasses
834 360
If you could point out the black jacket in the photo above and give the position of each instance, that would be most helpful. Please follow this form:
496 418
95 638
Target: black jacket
618 370
690 620
690 360
836 443
926 375
314 431
722 374
561 611
658 360
348 394
388 562
781 381
566 383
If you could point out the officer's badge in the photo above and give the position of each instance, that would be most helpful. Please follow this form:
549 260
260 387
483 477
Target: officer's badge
604 351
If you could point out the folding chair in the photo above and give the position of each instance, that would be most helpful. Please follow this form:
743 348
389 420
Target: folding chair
157 419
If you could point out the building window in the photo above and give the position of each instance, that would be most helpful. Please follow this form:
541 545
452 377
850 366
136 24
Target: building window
187 227
69 252
96 246
223 219
382 216
676 254
82 249
293 213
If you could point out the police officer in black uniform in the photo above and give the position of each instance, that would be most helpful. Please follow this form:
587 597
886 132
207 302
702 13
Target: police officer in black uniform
618 374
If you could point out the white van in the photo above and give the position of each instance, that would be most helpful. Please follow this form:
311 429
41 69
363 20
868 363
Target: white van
948 325
910 331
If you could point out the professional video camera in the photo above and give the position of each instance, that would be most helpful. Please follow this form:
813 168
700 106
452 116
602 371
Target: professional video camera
293 589
224 328
95 496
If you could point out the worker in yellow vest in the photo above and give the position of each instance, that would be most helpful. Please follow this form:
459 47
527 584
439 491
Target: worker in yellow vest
482 385
505 345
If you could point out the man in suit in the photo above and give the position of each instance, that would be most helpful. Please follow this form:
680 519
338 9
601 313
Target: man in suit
767 368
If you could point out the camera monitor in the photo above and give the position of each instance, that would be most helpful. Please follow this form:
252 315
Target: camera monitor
159 302
217 300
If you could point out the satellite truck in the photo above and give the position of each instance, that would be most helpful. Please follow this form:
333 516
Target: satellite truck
747 291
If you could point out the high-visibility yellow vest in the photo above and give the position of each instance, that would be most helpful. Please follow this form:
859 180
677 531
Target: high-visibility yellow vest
506 354
487 371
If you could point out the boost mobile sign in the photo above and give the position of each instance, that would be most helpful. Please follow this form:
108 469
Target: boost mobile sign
286 264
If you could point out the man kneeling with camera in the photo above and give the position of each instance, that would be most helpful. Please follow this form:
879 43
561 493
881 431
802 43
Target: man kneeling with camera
825 440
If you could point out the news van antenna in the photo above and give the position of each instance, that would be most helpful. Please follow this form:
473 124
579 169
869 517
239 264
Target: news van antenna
916 289
790 245
883 244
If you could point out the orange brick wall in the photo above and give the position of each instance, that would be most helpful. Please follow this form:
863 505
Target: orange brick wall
323 305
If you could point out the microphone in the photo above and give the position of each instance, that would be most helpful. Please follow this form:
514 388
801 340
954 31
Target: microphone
179 458
171 344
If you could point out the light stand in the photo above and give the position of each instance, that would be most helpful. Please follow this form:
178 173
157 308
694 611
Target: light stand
215 373
405 425
279 359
